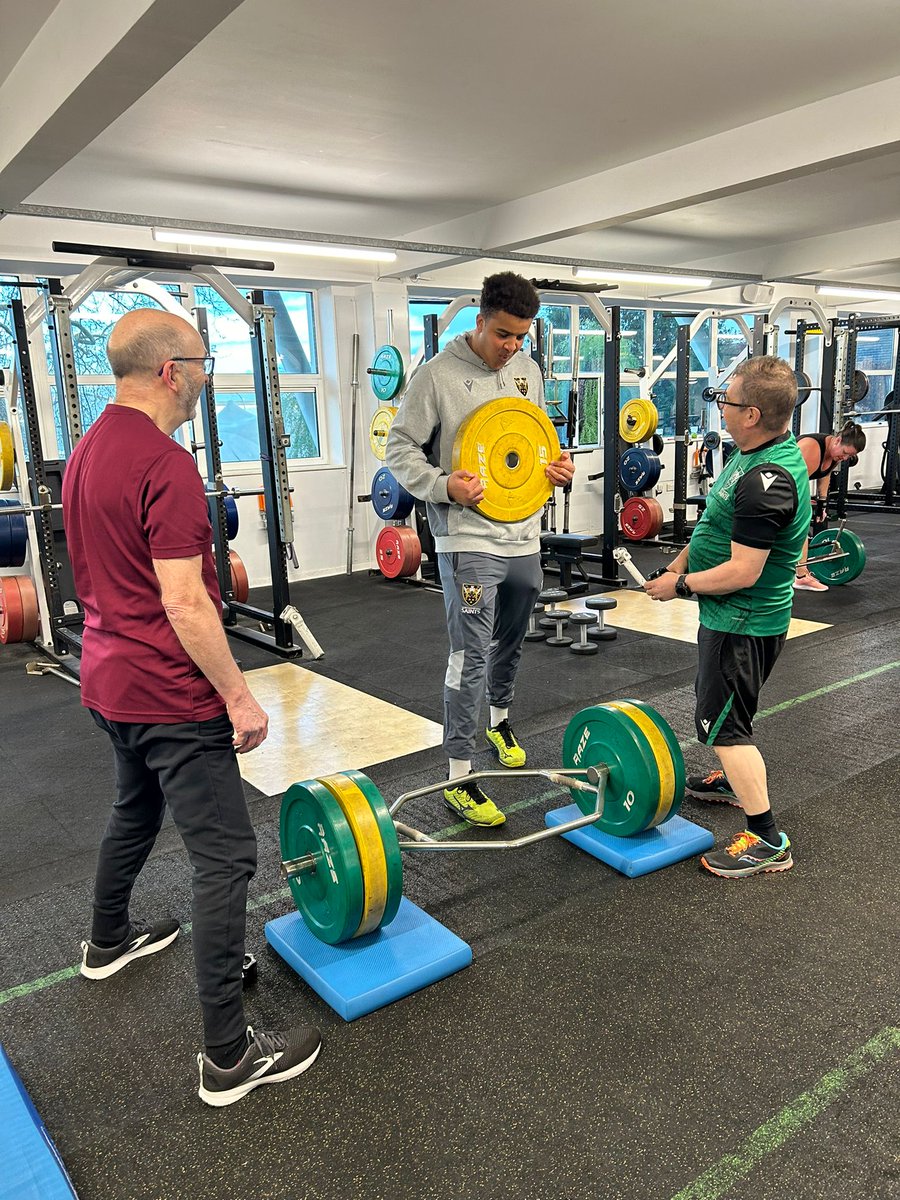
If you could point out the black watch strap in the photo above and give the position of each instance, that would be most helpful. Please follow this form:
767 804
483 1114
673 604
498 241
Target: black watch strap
682 589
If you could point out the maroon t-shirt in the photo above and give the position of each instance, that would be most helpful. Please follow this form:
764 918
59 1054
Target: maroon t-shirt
132 494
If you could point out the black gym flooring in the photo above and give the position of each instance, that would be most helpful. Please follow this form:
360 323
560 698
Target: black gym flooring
670 1036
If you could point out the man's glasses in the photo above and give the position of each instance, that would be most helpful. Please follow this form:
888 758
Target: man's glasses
721 402
208 360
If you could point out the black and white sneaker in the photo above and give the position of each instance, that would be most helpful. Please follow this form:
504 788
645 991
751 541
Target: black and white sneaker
99 963
269 1058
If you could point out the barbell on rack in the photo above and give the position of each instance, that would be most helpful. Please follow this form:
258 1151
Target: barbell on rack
341 844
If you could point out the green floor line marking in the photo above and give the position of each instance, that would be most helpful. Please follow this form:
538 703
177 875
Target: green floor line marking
732 1168
24 989
39 985
822 691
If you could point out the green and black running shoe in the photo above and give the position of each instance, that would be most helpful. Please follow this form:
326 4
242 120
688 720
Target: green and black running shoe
713 787
748 854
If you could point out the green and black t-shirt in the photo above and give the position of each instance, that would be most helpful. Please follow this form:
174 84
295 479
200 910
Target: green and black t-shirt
760 499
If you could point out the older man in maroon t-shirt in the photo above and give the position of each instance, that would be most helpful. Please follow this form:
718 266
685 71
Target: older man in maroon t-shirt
157 675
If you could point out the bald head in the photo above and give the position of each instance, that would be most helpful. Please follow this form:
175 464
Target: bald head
142 340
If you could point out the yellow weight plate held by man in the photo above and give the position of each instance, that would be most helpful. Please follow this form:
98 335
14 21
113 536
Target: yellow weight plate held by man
638 419
661 753
7 457
369 846
380 428
508 443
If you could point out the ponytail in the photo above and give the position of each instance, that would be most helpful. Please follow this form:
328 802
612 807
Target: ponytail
852 435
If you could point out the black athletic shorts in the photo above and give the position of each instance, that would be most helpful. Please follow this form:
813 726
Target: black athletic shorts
733 667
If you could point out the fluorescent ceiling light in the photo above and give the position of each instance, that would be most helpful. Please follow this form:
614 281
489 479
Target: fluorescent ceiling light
690 281
857 293
190 237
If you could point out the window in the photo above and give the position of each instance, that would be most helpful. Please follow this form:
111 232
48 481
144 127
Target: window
420 309
239 428
295 344
295 340
875 353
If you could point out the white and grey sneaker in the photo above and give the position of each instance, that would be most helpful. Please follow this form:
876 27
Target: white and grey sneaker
270 1058
99 963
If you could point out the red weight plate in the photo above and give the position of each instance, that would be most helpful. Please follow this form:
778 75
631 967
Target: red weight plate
240 584
30 620
641 517
398 551
12 617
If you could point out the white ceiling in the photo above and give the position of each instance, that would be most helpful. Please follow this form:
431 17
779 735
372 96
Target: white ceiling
761 139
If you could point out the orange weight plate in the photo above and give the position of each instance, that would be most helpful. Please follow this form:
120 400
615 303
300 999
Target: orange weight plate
240 584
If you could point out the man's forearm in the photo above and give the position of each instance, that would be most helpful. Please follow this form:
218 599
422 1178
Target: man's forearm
720 580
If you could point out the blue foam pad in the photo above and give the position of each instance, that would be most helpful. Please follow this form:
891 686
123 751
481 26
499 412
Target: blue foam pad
357 977
31 1166
674 840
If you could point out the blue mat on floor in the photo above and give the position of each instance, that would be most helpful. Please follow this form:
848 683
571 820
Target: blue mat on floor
30 1166
674 840
358 977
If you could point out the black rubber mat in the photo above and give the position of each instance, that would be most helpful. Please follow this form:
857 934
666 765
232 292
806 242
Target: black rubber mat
669 1036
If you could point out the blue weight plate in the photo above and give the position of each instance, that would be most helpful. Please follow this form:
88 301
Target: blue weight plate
6 544
391 501
231 517
639 469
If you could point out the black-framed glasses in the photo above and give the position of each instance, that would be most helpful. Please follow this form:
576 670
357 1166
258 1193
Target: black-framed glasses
719 395
208 360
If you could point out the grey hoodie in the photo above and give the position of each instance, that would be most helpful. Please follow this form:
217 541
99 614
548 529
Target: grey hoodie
439 396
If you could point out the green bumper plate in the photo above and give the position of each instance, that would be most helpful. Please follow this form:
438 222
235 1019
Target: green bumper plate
330 898
674 749
387 373
607 735
836 570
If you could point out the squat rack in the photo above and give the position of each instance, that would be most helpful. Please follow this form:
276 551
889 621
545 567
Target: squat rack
116 268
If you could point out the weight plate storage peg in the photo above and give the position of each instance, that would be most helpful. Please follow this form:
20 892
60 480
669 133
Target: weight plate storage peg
508 443
398 551
639 469
386 373
641 517
640 791
390 499
849 560
379 429
638 419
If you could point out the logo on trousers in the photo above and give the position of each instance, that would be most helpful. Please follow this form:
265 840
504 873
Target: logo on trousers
471 593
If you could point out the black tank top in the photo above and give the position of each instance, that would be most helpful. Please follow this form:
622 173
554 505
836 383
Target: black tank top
819 439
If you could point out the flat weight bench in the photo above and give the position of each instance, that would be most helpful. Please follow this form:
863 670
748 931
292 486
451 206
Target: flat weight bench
566 549
700 501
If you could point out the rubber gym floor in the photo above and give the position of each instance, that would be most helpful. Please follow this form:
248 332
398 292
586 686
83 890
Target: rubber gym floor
672 1036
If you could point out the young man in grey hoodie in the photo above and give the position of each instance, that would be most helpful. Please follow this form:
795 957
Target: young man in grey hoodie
490 570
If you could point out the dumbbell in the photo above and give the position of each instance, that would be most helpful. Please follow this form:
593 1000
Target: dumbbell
601 632
533 634
558 616
583 621
549 597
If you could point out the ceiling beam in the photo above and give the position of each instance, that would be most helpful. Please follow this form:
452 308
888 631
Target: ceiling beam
839 130
86 65
847 249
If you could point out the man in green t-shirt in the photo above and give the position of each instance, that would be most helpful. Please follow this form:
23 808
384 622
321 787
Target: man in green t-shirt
740 564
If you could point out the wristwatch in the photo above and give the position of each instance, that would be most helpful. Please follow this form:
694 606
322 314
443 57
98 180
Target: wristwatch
682 589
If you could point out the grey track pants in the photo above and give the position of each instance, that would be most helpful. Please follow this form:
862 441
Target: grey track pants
488 601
